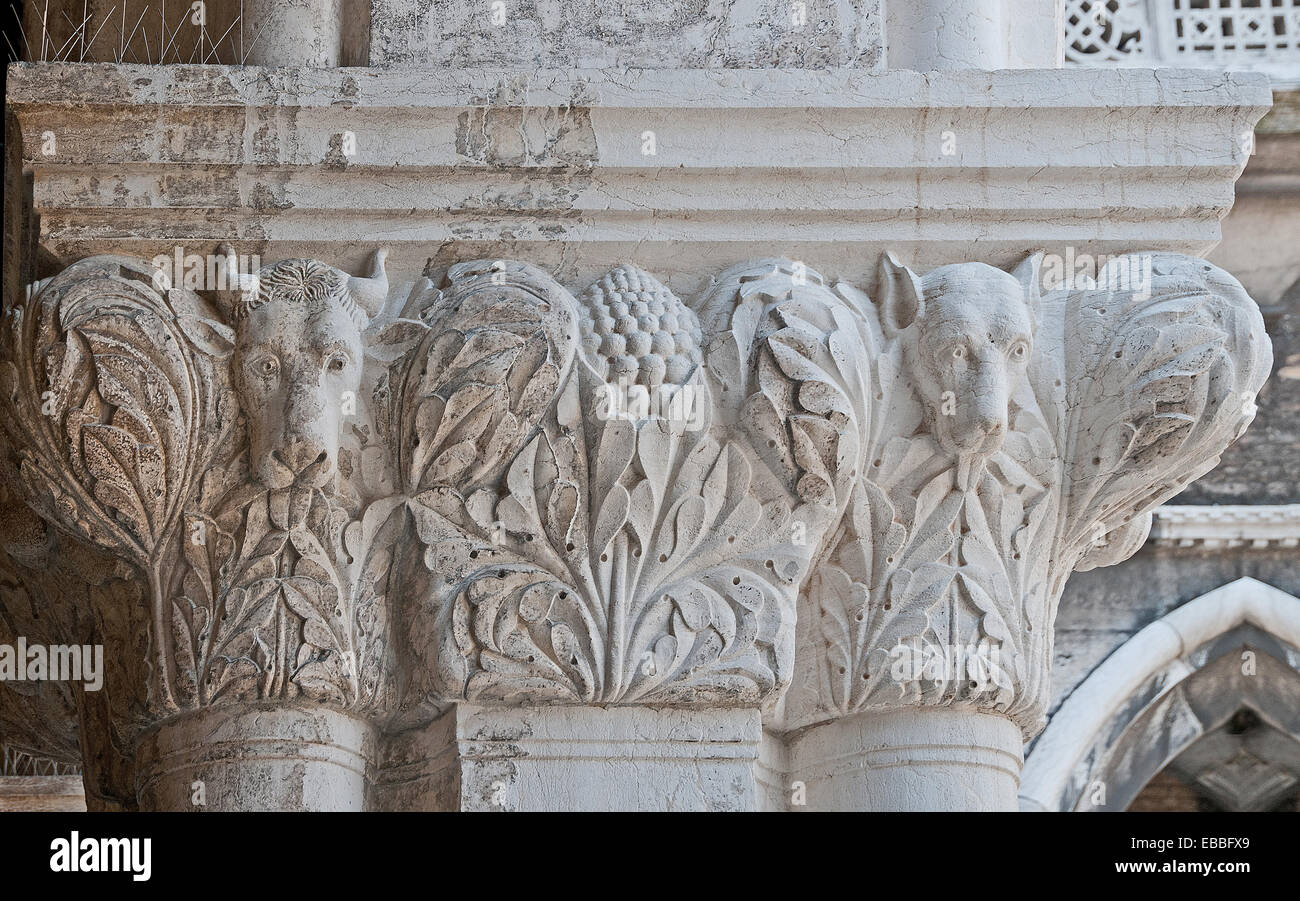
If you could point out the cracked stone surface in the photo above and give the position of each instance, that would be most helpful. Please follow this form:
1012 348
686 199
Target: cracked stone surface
608 408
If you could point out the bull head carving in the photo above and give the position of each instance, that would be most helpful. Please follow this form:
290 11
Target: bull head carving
298 356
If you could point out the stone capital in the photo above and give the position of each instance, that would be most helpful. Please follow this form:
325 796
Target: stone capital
499 492
1018 435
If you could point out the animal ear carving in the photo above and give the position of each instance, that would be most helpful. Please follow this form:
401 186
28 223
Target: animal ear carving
370 292
899 295
1029 274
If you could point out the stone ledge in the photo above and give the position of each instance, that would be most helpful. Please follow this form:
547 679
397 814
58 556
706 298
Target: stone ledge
1227 526
109 84
828 167
43 793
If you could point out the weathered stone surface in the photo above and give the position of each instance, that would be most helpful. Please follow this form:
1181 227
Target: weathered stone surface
1100 610
1259 247
588 34
228 32
575 758
1176 683
1262 467
909 759
929 35
1069 417
498 492
679 172
466 532
258 758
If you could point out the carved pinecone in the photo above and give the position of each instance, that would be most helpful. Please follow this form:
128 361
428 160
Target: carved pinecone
635 328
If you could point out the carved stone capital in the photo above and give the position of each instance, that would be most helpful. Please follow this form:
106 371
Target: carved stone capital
618 496
1017 436
299 490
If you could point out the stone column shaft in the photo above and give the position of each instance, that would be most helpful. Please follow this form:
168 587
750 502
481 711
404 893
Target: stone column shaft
910 760
575 759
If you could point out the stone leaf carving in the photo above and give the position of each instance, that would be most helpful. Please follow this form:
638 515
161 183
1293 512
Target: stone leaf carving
1156 389
114 404
267 570
1025 436
582 550
616 497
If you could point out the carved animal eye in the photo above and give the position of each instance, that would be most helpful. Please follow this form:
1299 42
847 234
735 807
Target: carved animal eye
959 352
1019 350
267 366
338 363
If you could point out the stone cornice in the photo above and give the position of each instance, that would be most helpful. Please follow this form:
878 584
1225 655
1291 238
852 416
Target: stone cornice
1215 526
243 87
832 168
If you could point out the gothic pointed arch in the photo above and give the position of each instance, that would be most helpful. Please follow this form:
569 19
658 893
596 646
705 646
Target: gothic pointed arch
1182 677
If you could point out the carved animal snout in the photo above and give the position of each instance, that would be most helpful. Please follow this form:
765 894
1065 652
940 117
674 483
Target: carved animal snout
990 425
977 421
301 462
297 439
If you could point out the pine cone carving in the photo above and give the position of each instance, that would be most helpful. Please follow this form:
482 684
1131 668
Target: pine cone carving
635 329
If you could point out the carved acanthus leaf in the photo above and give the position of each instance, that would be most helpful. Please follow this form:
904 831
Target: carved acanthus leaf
1022 438
635 557
1164 361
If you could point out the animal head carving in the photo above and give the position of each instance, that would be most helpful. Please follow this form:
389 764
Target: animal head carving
967 333
298 352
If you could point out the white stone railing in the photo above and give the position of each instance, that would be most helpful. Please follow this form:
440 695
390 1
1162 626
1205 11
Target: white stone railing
1261 35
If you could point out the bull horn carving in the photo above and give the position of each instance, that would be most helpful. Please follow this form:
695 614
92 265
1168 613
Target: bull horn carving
370 292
